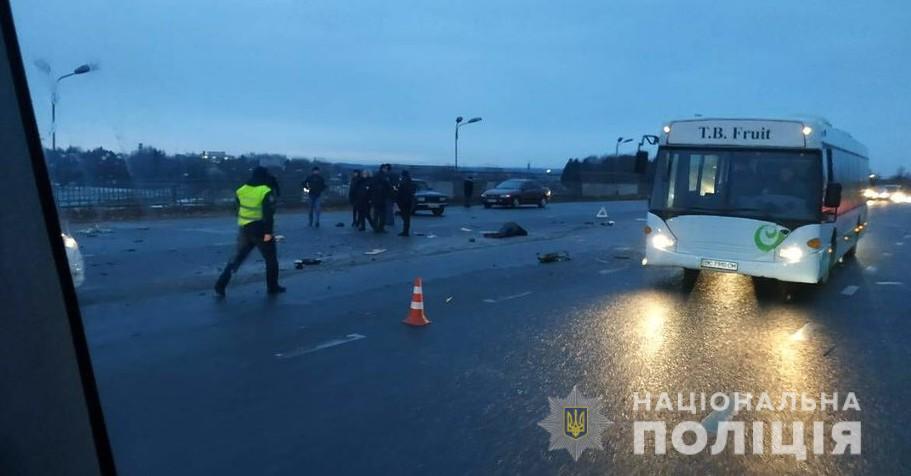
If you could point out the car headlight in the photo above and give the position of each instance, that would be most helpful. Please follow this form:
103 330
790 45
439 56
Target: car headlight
870 193
506 195
662 241
791 253
69 241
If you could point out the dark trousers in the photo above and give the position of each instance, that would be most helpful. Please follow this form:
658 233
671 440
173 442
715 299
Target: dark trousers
249 237
362 215
379 215
468 194
407 210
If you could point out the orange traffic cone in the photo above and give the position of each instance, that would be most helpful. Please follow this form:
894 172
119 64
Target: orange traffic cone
416 315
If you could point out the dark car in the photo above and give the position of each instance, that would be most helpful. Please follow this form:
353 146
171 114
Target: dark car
426 198
516 192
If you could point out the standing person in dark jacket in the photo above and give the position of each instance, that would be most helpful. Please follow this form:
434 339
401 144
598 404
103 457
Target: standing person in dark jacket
380 191
362 200
355 176
405 200
255 212
468 189
390 199
314 185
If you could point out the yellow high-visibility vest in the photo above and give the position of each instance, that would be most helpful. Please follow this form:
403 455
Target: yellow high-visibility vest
251 200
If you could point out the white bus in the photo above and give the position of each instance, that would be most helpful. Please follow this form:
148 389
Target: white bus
780 199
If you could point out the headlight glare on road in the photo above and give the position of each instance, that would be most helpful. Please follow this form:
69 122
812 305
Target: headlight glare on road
662 241
69 241
791 253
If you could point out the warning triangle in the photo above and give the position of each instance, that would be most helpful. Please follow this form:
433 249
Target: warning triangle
602 213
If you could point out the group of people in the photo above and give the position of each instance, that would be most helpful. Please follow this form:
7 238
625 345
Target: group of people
373 196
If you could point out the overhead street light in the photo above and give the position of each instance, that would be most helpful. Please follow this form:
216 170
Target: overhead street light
80 70
621 140
459 123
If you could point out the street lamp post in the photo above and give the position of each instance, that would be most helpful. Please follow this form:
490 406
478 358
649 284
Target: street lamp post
80 70
459 124
620 140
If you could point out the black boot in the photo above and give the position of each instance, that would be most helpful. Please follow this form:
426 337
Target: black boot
222 282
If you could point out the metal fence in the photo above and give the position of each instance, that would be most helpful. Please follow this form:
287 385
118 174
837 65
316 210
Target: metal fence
151 195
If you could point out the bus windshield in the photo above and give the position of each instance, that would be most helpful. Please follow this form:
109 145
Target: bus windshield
761 184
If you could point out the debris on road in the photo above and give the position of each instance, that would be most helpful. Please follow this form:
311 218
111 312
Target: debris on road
279 237
339 225
508 230
607 223
553 257
375 251
431 236
449 300
94 230
300 263
472 240
465 229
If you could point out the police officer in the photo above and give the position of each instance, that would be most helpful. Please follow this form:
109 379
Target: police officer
255 211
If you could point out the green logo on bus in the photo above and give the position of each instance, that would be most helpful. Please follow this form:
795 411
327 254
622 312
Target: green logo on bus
767 237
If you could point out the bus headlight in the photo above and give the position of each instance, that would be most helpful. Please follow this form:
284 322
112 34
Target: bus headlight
791 253
662 241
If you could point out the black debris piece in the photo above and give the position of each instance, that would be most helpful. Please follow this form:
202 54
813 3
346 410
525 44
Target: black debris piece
508 230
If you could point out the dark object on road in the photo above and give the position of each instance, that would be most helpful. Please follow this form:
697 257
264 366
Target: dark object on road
426 198
508 230
339 225
553 257
300 263
516 192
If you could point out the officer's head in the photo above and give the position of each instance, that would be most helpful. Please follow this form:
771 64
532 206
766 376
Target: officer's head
259 175
406 174
315 170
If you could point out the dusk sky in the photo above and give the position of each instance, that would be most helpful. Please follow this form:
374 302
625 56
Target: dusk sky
373 81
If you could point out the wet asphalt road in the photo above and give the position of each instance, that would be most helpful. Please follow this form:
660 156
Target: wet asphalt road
325 379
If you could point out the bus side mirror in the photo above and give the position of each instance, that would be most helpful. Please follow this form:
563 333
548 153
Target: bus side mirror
833 195
641 164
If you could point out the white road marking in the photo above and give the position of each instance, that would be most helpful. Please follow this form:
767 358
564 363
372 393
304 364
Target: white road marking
711 421
611 270
849 290
640 219
507 298
899 243
889 283
871 269
325 345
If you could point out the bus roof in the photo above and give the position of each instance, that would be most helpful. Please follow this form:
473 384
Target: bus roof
806 133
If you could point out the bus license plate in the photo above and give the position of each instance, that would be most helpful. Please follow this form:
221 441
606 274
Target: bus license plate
718 264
